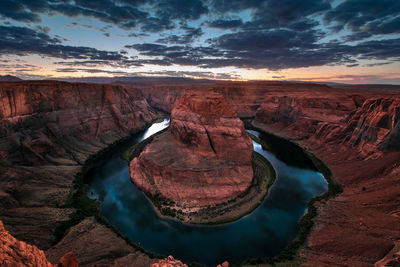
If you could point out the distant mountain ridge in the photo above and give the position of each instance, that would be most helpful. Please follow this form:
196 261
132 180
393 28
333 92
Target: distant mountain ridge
9 78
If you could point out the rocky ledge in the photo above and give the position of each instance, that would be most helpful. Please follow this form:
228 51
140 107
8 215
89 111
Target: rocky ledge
18 253
203 160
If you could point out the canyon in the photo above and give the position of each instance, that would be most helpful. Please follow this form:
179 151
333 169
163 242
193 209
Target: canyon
204 159
48 129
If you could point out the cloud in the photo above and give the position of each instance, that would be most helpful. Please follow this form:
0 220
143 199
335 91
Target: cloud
72 70
124 14
378 64
16 10
189 35
123 63
23 41
183 74
177 9
225 23
366 18
270 34
273 49
348 78
269 14
276 49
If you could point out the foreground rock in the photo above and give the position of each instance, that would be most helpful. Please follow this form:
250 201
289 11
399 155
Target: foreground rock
17 253
169 262
204 159
97 245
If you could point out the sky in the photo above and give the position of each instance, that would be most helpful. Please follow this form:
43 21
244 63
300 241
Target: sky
348 41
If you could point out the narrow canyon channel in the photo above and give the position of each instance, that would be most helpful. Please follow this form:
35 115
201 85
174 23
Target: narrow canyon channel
264 232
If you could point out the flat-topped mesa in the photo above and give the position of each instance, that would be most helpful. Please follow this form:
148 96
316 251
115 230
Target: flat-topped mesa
204 159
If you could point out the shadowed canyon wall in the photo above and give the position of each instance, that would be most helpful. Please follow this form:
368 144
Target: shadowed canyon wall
48 129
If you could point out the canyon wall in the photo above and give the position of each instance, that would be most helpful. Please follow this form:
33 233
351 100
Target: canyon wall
367 118
355 131
203 159
47 130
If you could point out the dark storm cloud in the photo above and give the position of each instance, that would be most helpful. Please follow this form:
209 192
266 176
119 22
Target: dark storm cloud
235 5
178 9
225 23
15 10
273 50
124 14
382 49
269 14
169 10
369 16
190 34
22 41
266 40
287 11
277 34
272 59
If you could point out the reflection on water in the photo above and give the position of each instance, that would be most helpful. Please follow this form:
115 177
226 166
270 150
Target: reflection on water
264 232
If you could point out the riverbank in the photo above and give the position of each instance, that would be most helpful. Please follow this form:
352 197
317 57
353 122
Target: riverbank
290 255
263 177
86 216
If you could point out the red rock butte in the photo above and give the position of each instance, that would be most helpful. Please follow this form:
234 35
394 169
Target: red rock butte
205 157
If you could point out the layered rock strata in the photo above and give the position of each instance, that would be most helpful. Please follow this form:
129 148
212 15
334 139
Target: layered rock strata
202 160
354 130
18 253
38 161
47 130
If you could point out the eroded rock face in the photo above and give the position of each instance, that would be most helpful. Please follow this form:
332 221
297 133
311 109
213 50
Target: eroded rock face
17 253
36 115
47 130
372 128
169 262
203 159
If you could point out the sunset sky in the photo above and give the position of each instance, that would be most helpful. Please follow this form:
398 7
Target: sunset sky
349 41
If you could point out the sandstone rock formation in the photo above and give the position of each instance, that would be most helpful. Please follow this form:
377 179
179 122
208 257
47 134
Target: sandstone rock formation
47 130
392 258
17 253
169 262
203 159
373 127
353 129
97 245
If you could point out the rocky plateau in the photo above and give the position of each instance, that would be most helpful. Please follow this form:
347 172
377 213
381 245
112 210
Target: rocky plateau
48 129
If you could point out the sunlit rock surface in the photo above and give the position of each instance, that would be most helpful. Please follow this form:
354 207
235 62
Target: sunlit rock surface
18 253
203 159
